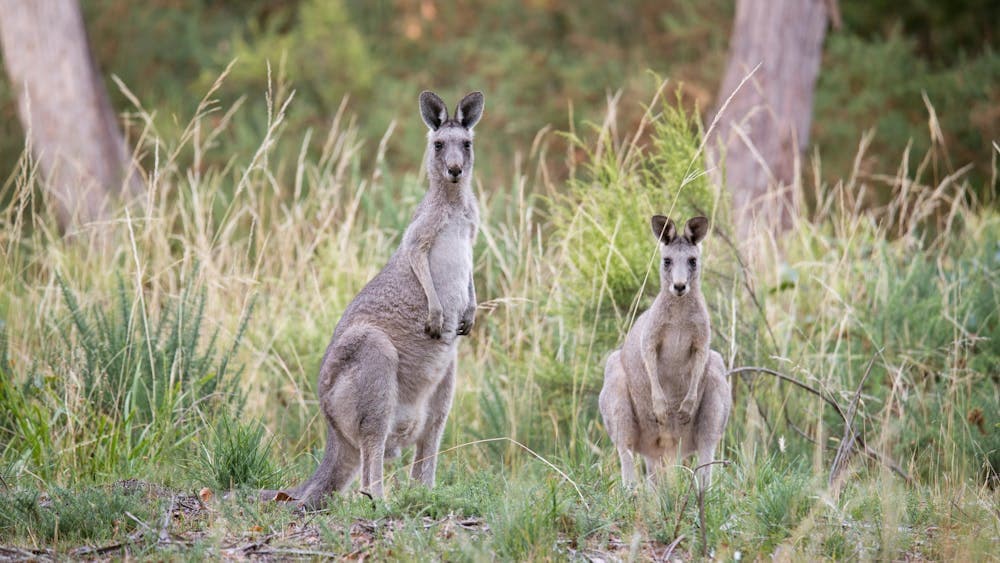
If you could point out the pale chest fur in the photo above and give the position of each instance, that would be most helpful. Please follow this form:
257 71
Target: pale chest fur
682 330
451 264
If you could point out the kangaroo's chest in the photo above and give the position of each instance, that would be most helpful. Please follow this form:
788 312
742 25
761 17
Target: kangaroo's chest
451 263
674 357
676 345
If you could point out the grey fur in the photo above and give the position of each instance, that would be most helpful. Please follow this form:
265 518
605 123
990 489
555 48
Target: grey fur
665 392
388 375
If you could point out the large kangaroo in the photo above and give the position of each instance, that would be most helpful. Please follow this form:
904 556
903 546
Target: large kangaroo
388 375
665 391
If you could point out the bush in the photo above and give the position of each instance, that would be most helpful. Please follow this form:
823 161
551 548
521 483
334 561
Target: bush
138 366
603 221
122 383
238 456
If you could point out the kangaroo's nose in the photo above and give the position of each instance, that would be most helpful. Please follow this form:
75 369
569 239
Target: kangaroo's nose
680 287
455 171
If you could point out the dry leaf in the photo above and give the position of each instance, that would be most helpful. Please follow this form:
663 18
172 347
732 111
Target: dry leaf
205 494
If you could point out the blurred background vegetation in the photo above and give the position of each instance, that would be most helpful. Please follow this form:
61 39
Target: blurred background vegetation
541 62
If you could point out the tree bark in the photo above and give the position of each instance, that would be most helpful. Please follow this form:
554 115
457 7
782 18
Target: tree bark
764 129
64 108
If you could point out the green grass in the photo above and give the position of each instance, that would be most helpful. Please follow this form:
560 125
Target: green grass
128 351
80 515
237 456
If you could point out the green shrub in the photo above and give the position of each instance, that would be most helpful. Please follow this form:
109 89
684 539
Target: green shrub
524 524
603 221
122 383
238 456
313 47
139 366
778 502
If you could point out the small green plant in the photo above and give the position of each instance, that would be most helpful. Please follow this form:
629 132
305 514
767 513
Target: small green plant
139 366
237 455
469 497
524 525
89 513
778 500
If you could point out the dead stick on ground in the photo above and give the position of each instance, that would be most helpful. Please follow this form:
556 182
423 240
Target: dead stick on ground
669 550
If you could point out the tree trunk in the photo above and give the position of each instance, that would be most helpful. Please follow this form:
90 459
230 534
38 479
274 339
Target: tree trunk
64 108
765 127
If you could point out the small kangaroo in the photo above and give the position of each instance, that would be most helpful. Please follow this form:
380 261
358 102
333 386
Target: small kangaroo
665 392
387 378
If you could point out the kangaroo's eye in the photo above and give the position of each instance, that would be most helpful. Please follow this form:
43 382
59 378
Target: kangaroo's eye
692 262
438 145
467 145
667 262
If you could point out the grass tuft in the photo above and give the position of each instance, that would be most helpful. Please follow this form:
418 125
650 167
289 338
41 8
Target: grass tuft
237 456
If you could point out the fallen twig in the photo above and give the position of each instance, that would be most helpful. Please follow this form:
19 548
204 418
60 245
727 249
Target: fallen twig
300 552
164 535
669 550
16 553
110 548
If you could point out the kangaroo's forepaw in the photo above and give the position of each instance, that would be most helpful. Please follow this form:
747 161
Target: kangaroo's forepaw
660 414
684 414
465 327
434 324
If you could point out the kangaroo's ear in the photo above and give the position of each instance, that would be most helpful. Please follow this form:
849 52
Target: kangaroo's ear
696 229
470 109
663 229
432 109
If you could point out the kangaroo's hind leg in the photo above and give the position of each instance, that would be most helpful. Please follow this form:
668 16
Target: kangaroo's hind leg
619 420
425 454
713 414
336 471
372 373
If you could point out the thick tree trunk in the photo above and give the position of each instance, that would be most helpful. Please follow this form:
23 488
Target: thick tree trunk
64 108
765 127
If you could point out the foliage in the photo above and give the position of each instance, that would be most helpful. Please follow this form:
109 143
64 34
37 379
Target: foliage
73 515
603 218
136 366
526 469
238 456
945 31
525 524
886 86
133 378
540 63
